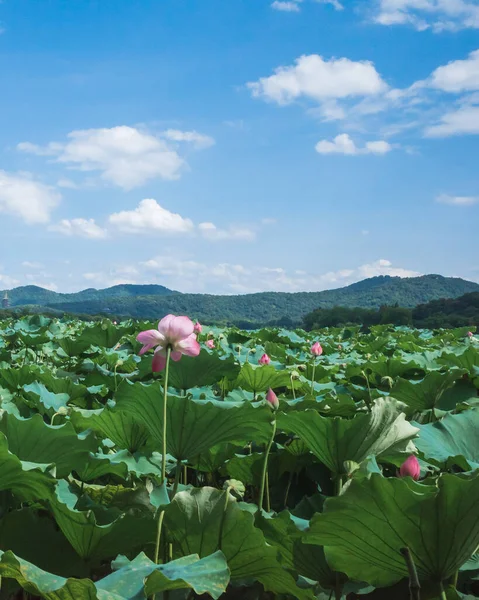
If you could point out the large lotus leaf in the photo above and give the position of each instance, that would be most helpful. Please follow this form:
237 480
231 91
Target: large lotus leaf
132 581
73 346
14 379
259 378
92 541
61 385
209 575
34 441
364 529
31 482
383 432
104 334
194 425
202 521
204 369
452 440
120 427
426 394
45 401
285 533
464 359
36 538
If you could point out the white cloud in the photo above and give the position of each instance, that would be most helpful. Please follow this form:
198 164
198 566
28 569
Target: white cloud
67 183
79 227
318 79
463 121
457 200
124 156
335 3
8 282
382 267
286 5
26 198
343 144
440 15
211 232
199 140
32 265
458 75
150 216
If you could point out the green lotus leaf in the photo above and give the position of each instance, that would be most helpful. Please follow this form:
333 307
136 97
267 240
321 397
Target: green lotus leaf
29 481
259 378
208 575
205 520
452 440
427 393
193 426
15 379
383 432
204 369
34 441
46 402
104 334
93 541
122 428
364 529
73 347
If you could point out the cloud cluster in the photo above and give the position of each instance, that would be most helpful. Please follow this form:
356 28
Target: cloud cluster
124 156
24 197
343 144
438 15
189 275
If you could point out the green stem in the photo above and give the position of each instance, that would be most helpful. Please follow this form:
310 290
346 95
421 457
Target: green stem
414 585
292 387
290 481
339 485
312 377
369 404
265 466
177 477
268 502
158 536
442 591
185 474
165 401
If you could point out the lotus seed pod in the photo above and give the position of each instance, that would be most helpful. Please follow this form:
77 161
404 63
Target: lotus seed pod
236 488
387 380
302 367
294 375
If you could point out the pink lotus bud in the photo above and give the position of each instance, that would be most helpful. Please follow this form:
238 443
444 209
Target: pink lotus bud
272 399
210 344
316 349
198 327
410 468
264 360
470 334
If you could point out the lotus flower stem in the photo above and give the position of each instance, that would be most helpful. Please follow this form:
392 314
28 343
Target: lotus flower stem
266 491
414 585
312 377
177 477
265 466
158 537
165 401
442 592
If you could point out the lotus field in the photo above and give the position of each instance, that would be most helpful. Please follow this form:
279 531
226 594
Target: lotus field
173 461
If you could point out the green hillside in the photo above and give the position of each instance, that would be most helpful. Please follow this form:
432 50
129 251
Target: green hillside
142 301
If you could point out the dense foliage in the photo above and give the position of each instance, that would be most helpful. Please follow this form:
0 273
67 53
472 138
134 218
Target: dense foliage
247 310
81 444
445 313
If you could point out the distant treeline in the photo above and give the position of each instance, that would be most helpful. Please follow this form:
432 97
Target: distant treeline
445 313
450 313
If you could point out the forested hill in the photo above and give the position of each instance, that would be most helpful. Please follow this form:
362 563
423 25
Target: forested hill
156 301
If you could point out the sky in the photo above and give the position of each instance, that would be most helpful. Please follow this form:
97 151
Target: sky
235 146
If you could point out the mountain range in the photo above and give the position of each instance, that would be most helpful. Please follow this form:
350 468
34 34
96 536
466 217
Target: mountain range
154 301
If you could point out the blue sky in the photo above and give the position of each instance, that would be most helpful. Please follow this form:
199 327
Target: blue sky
229 146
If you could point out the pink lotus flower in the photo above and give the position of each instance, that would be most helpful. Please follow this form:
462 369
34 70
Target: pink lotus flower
210 344
410 468
272 399
316 349
174 332
264 360
198 328
470 334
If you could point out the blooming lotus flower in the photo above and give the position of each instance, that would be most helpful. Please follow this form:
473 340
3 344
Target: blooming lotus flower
173 332
410 468
272 399
198 328
210 344
316 349
264 360
470 334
